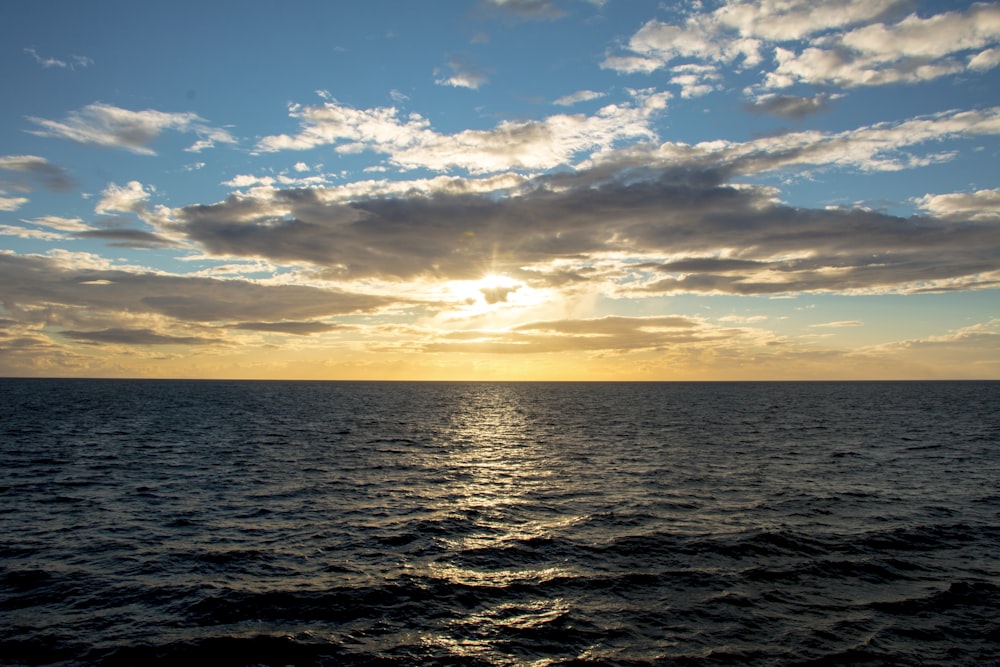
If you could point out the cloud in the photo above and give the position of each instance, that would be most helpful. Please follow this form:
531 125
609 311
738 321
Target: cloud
911 50
112 127
577 97
130 198
72 63
797 19
791 106
603 334
294 328
699 233
526 9
411 143
59 223
119 336
32 171
41 289
848 43
879 147
982 205
25 233
12 203
463 75
840 324
127 238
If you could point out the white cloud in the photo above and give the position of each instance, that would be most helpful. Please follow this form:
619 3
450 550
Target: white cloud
577 97
463 75
838 42
12 203
982 205
72 63
880 147
410 142
60 223
985 60
113 127
130 198
839 324
25 233
795 19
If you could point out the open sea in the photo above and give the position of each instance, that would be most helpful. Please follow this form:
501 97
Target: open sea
351 523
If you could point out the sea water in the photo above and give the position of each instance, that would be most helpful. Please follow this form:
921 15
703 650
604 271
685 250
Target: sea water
275 523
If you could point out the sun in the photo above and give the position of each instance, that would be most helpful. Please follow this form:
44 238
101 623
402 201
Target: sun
491 292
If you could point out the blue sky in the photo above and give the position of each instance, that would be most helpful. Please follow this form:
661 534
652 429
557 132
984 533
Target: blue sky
518 189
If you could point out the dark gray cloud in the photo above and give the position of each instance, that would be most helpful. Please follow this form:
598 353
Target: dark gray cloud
127 238
295 328
28 172
121 336
33 287
790 106
768 247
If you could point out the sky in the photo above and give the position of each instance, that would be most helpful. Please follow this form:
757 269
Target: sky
500 189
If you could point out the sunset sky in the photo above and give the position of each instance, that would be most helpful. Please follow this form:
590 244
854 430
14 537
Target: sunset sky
500 189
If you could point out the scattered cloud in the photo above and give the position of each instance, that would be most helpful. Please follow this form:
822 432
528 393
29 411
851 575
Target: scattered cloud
113 127
411 143
463 75
71 63
577 97
847 43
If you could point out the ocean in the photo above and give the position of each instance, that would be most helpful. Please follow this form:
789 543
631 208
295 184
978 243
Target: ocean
390 523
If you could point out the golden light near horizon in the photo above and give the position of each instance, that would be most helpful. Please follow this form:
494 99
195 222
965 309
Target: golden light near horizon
395 213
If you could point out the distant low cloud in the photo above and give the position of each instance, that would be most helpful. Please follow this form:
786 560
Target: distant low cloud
113 127
293 328
118 336
839 324
617 334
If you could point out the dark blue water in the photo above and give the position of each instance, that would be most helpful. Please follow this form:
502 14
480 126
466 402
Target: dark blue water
275 523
